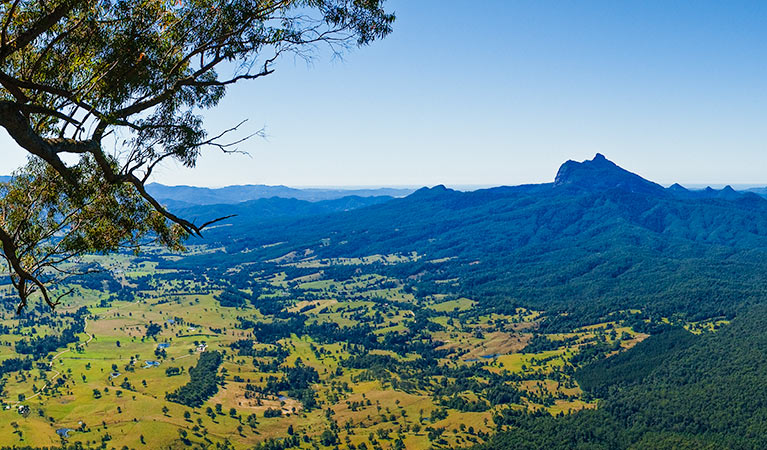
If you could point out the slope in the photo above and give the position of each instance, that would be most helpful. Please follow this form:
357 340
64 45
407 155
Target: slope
587 248
712 394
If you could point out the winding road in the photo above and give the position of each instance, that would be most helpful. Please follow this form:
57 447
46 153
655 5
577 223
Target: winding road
57 373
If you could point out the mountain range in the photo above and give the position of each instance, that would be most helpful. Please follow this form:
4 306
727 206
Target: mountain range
598 244
267 209
184 196
597 239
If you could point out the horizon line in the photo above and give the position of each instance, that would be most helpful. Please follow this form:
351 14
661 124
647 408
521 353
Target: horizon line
455 186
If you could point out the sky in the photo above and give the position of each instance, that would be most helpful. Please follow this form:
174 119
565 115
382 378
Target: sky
502 92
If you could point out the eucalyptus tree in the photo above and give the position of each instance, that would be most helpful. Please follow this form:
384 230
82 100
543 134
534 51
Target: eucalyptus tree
98 93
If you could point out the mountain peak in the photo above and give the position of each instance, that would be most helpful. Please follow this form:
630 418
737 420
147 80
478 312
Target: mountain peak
600 174
728 193
676 187
434 192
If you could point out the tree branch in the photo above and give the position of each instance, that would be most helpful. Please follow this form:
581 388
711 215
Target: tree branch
40 27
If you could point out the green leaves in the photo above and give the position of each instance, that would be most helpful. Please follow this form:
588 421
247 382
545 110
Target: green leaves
73 72
51 222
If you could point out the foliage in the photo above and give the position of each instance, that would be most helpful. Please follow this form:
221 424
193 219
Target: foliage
45 223
631 367
233 298
707 392
153 330
79 77
203 382
39 347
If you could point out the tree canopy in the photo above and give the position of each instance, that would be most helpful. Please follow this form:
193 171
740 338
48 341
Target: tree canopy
77 75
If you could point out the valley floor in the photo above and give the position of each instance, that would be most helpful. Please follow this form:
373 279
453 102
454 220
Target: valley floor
313 353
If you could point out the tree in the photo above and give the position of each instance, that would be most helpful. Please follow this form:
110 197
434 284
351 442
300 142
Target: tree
328 438
78 77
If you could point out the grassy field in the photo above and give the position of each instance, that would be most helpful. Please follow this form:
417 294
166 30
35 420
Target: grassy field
109 388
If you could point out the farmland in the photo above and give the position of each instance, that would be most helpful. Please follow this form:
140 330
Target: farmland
312 353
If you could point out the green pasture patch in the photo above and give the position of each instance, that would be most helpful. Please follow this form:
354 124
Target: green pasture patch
461 304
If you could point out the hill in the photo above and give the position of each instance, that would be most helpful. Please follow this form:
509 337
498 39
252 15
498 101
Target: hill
178 196
267 209
598 239
710 395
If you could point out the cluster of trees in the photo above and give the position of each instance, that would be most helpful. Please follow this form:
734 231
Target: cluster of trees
676 391
297 382
97 279
39 347
14 364
627 368
153 330
233 298
173 371
203 382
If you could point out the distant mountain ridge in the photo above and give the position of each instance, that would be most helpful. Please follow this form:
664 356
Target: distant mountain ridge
177 196
273 208
590 174
599 238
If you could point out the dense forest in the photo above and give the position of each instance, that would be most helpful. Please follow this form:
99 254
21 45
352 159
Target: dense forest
203 382
589 244
675 391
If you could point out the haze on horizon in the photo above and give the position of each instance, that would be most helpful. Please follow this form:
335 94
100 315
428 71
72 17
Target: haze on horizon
503 95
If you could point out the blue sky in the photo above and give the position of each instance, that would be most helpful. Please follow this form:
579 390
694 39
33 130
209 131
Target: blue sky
502 92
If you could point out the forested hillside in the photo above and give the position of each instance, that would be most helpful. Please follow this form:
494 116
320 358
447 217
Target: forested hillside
711 395
598 240
263 210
